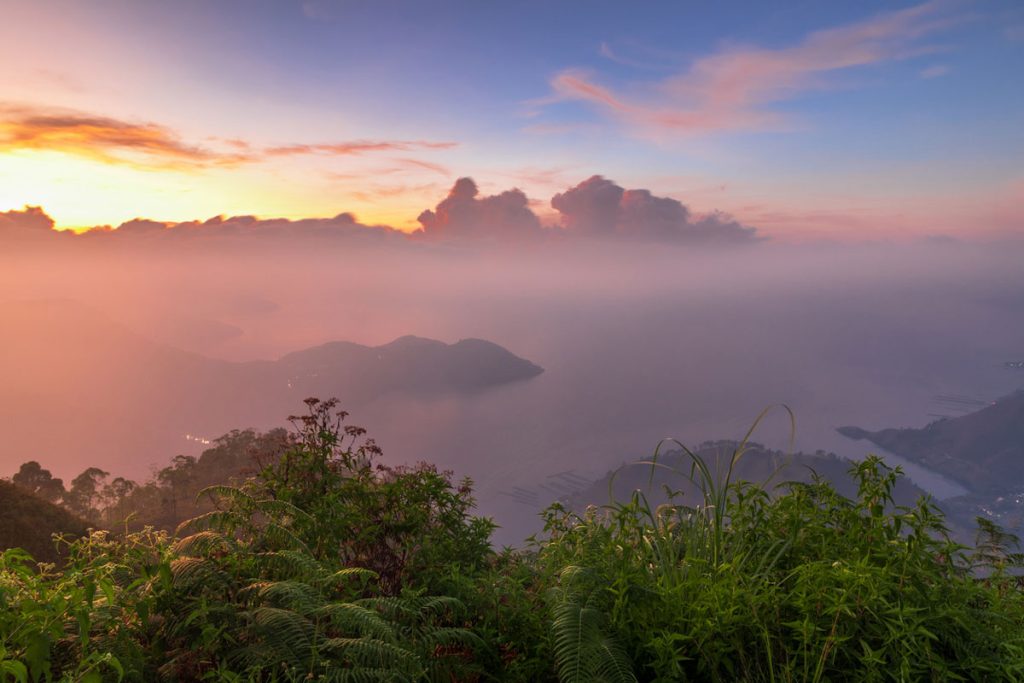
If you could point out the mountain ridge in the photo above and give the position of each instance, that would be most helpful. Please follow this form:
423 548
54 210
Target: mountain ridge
983 450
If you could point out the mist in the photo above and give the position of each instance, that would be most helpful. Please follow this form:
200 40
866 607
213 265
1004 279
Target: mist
639 340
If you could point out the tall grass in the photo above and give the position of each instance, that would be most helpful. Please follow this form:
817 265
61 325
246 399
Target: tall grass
791 582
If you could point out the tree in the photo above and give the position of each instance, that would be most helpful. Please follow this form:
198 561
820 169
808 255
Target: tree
34 479
115 496
403 523
85 494
176 482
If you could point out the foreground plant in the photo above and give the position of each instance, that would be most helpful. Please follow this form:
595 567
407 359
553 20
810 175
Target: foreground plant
327 566
794 584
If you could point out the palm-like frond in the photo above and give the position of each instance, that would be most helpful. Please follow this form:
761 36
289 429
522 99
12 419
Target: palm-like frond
583 649
355 619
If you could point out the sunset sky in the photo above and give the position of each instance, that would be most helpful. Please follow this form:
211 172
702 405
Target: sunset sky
807 120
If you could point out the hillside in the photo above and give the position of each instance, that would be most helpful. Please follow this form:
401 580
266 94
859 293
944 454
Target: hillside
983 450
119 394
758 464
29 522
408 364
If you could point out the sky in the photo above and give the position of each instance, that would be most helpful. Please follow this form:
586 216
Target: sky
846 122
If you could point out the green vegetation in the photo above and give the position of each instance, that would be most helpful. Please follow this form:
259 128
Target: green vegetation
325 564
28 522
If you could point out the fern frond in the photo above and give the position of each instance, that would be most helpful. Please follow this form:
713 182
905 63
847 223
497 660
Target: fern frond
286 632
582 648
373 652
214 519
188 571
232 494
293 595
201 543
281 510
355 619
290 564
282 536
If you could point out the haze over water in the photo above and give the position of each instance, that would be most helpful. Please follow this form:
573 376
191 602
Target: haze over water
681 216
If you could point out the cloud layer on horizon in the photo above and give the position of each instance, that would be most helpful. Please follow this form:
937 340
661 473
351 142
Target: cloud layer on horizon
596 208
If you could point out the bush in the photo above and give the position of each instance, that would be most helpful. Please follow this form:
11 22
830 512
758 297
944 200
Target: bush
803 585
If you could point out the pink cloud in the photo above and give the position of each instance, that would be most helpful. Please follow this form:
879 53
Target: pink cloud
729 90
357 147
463 214
601 208
427 165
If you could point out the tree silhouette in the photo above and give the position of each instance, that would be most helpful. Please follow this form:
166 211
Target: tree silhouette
34 479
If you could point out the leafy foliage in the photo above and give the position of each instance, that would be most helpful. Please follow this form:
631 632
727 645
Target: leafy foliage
324 564
400 522
802 585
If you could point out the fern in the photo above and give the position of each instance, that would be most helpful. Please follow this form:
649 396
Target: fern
584 650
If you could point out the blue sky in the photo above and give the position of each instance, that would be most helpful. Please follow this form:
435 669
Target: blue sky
903 116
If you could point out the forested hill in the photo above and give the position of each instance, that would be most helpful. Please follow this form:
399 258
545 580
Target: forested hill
983 450
29 522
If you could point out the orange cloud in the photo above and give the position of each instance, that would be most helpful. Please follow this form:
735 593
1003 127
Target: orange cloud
101 138
115 141
728 90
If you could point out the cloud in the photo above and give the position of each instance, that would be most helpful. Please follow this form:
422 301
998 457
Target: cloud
344 225
34 222
599 207
729 90
465 215
595 208
419 163
606 51
592 207
116 141
101 138
30 220
357 147
935 71
378 191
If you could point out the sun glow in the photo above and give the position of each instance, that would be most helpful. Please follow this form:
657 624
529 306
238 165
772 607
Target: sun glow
80 192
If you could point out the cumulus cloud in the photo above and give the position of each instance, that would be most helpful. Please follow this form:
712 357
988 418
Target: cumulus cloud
599 207
30 220
463 214
592 207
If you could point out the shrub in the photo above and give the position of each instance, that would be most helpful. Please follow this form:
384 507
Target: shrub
800 585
